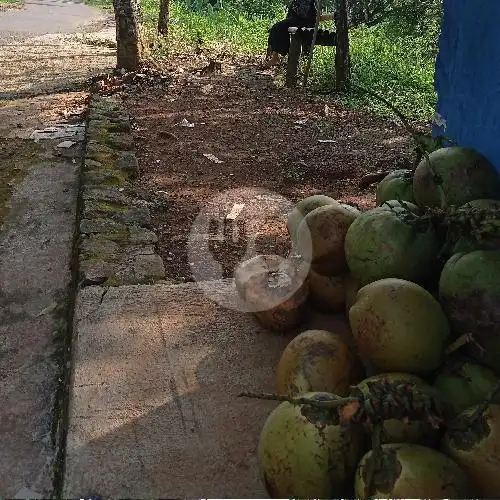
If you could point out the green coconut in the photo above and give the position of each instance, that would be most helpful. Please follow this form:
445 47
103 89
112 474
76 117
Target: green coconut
396 185
469 291
467 242
472 440
321 235
327 293
399 326
386 243
399 431
411 471
303 207
304 452
317 361
464 383
458 174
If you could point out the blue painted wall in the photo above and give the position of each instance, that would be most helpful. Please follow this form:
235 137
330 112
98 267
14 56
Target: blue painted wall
468 75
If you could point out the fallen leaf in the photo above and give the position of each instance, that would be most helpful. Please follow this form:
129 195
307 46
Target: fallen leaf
235 211
213 158
348 411
185 123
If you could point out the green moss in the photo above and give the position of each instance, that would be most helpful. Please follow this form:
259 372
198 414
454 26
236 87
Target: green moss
106 177
102 153
120 237
105 206
113 281
16 157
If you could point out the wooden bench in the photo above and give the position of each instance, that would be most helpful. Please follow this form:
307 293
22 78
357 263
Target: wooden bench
300 43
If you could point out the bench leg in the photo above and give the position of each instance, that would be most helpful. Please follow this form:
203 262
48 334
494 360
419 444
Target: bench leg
292 67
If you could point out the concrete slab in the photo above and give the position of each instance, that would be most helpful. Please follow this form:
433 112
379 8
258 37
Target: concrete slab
35 259
153 409
47 16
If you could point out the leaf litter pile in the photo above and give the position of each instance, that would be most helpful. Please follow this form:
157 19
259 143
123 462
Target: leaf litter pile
234 145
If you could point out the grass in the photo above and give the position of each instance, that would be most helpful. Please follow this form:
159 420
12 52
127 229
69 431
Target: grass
401 68
10 3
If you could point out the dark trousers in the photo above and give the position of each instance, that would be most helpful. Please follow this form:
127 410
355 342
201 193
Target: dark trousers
279 38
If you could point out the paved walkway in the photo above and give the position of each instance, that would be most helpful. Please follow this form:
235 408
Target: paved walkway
154 411
52 45
38 190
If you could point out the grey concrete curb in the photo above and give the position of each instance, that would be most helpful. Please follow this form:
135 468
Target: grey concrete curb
115 246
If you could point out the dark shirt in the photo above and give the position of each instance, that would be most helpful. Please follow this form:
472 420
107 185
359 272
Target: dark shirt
303 9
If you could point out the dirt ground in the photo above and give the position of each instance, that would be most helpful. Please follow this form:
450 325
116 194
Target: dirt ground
265 137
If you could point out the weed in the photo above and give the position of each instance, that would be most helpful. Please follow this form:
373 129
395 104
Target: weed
397 63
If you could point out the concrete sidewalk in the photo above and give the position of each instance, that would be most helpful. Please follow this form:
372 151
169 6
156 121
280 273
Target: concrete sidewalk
38 201
153 410
35 276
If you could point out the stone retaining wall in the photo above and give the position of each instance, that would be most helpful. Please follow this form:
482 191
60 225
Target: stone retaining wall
116 247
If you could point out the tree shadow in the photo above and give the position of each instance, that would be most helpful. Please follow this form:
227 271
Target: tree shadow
168 423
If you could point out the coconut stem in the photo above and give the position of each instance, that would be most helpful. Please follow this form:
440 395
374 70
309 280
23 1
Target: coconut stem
484 406
373 462
298 401
467 338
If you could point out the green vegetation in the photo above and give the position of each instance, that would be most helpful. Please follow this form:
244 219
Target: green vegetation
10 3
395 57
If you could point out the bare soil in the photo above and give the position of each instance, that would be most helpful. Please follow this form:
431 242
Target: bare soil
266 137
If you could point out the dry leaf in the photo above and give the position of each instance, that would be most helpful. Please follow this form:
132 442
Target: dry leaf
348 411
185 123
235 211
213 158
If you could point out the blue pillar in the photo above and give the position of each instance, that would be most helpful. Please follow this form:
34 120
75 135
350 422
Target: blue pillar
468 75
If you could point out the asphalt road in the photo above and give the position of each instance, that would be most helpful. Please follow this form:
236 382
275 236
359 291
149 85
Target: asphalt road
40 17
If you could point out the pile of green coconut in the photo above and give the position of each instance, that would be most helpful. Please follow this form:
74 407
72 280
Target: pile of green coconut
408 404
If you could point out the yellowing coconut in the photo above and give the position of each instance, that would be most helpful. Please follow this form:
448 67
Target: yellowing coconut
321 235
274 289
399 326
412 471
302 208
327 293
317 360
474 444
304 452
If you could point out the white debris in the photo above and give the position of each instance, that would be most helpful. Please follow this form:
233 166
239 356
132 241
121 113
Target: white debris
235 211
185 123
213 158
66 144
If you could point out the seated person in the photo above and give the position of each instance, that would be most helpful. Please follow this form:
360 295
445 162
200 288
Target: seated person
301 14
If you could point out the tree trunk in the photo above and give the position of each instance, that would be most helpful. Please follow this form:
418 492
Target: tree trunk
163 17
129 44
342 59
